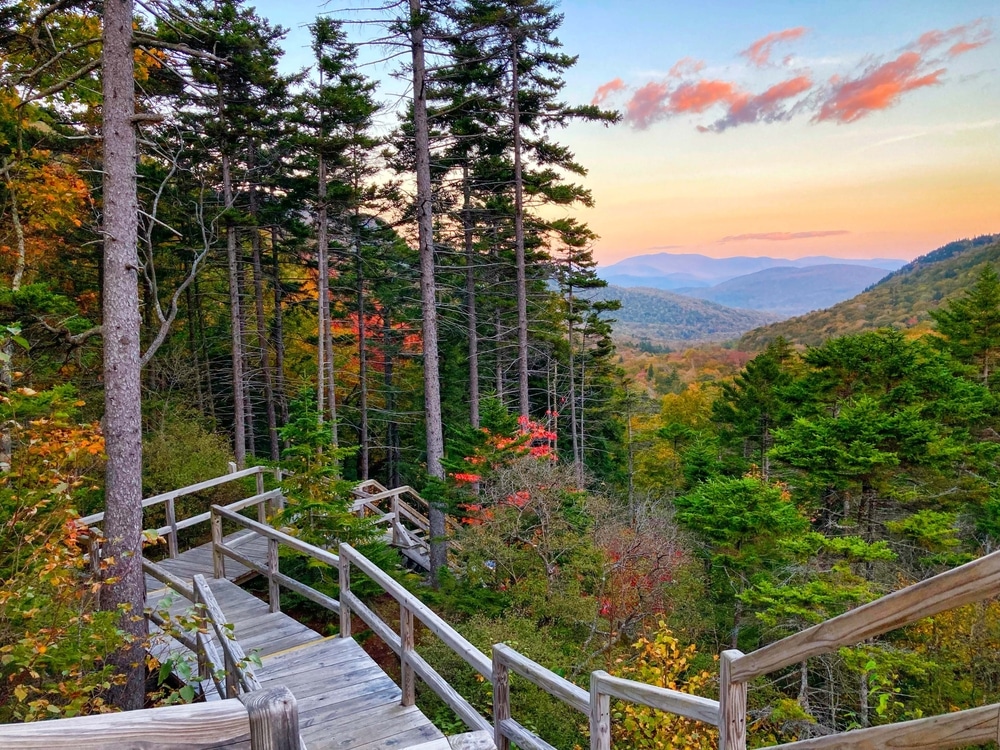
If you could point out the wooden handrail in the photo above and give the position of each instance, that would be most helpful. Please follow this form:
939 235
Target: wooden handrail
267 718
411 609
276 579
974 726
238 671
953 588
663 699
189 490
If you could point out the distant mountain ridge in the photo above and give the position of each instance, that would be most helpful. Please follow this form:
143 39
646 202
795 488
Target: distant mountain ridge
903 299
673 271
791 290
663 316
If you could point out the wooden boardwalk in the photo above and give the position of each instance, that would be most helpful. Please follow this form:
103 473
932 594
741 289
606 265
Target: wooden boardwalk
345 700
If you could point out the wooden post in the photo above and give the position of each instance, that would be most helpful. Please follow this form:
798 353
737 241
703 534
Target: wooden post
172 523
394 507
274 719
273 589
501 700
218 559
345 587
261 507
732 705
200 638
407 681
233 468
94 548
600 715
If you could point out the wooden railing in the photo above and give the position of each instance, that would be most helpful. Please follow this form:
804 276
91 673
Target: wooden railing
275 538
969 583
268 719
168 500
408 520
412 664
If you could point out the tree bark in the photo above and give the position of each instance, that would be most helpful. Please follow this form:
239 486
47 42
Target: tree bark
524 404
470 299
428 291
362 368
235 316
125 589
279 330
264 349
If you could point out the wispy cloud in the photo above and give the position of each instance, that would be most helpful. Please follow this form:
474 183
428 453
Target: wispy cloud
759 53
607 89
878 87
964 38
882 84
765 107
783 236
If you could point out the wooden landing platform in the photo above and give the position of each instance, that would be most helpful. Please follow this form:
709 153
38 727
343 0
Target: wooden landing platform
199 560
345 700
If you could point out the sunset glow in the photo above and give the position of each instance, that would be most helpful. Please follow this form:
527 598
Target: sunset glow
853 129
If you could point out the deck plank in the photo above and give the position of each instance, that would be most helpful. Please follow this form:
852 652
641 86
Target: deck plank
345 700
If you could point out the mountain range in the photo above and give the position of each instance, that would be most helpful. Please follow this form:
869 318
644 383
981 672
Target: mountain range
670 318
791 290
688 271
903 299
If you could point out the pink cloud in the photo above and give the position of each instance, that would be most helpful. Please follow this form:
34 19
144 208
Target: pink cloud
686 66
607 89
784 236
765 107
879 87
656 100
759 53
964 38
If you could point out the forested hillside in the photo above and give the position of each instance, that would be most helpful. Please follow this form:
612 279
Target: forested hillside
204 259
903 299
791 291
669 318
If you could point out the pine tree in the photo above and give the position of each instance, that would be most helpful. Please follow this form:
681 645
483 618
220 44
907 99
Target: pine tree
970 324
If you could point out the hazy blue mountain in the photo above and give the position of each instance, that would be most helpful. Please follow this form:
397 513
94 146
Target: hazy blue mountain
663 316
690 270
791 291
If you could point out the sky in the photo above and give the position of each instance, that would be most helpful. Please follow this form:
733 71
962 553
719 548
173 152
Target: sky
784 128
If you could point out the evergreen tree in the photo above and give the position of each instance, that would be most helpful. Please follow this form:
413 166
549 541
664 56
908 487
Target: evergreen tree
970 324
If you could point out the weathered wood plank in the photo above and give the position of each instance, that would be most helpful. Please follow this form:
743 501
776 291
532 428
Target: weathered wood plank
189 490
954 588
524 738
549 681
974 726
451 637
200 725
289 541
672 701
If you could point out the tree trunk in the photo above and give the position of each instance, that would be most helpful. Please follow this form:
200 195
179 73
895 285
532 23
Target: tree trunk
392 426
428 291
363 457
524 404
6 366
470 299
265 355
248 373
279 330
193 346
573 422
236 317
125 589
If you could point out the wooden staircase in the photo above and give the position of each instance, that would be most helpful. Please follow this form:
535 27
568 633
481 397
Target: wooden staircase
347 702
